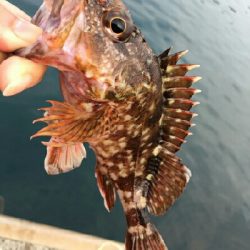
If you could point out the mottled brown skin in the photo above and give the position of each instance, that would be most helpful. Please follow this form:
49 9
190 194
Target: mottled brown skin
112 86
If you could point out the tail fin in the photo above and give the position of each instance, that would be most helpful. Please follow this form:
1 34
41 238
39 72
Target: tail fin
144 238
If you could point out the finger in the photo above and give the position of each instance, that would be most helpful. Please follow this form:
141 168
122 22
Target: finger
15 31
14 10
18 74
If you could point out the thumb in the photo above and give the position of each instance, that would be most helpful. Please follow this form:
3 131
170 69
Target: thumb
16 31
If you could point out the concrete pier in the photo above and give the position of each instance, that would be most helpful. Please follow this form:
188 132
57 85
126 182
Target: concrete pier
16 234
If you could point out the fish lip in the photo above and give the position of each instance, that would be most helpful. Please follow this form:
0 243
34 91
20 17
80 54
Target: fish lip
54 40
64 58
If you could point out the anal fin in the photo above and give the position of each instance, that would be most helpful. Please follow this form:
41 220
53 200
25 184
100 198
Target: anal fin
106 189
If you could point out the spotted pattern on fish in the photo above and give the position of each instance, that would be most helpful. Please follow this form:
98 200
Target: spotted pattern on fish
130 105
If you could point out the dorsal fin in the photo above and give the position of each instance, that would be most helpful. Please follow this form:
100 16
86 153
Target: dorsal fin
177 93
165 174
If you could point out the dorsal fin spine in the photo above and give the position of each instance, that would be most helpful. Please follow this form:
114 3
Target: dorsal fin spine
170 176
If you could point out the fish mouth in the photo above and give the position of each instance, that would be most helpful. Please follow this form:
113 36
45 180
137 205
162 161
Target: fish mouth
84 78
62 23
62 45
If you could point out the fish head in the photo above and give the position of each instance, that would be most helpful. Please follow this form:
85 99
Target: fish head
95 37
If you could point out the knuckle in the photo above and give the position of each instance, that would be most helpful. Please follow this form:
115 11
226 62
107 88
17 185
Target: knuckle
3 56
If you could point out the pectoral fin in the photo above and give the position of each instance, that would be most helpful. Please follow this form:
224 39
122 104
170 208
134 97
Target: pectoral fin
69 123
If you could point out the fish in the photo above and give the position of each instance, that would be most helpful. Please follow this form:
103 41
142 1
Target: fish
131 106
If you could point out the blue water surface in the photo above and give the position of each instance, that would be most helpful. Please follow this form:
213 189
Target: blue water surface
214 211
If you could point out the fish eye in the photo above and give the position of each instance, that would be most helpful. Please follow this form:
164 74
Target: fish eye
117 25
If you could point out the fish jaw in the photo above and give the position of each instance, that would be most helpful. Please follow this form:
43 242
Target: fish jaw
68 44
77 37
62 23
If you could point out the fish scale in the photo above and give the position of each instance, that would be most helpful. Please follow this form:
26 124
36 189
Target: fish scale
130 105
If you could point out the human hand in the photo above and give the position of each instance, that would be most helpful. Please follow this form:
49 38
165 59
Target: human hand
16 31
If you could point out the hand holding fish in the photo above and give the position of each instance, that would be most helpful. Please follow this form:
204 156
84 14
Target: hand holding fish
16 31
130 105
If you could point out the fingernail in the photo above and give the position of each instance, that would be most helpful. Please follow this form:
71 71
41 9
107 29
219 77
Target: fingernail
26 31
18 86
109 246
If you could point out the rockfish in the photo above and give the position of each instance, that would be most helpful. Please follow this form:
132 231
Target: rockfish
130 105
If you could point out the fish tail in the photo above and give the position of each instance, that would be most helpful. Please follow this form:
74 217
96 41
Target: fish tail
141 234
